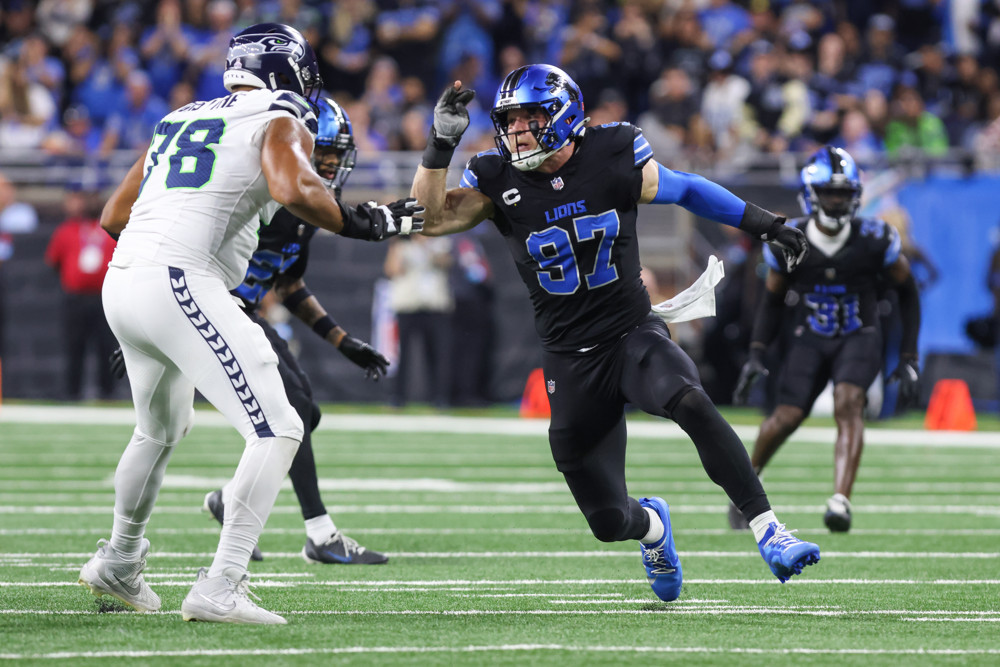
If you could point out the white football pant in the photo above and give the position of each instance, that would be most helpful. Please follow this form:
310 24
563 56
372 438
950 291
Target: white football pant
180 331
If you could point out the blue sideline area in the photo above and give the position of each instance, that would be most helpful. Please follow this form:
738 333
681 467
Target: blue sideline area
954 220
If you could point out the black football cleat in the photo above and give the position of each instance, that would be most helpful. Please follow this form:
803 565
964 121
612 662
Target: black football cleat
343 550
213 505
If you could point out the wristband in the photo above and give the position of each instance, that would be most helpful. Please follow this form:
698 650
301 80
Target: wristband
292 301
324 325
437 154
759 222
113 235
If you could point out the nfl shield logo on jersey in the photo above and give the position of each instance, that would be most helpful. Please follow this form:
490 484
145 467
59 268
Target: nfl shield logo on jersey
550 386
557 184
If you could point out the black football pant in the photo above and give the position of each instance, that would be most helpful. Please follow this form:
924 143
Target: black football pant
299 391
588 392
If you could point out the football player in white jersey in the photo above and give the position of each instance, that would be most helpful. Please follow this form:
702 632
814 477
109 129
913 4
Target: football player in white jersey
191 208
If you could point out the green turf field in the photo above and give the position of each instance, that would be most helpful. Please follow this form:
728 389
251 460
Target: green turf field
490 562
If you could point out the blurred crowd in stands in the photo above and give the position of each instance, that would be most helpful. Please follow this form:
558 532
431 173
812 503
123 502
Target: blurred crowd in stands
709 81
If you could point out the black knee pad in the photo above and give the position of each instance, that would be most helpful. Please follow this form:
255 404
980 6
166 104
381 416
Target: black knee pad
607 524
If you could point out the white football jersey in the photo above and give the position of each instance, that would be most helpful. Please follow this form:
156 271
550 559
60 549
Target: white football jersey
203 188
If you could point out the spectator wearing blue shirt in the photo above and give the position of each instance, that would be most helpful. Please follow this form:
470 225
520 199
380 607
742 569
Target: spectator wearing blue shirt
165 47
468 31
544 21
209 52
103 87
129 126
722 21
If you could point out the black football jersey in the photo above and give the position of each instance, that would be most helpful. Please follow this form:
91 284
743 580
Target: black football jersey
572 234
283 249
838 295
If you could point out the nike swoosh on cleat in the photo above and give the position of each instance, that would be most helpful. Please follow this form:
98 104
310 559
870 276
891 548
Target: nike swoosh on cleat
131 590
339 559
220 607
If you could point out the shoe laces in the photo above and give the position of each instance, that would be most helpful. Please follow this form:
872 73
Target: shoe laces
653 556
242 588
349 543
782 538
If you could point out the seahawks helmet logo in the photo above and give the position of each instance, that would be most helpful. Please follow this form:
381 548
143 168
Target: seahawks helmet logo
266 44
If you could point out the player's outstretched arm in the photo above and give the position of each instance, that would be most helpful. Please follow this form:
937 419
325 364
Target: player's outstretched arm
293 183
447 212
302 303
710 200
117 209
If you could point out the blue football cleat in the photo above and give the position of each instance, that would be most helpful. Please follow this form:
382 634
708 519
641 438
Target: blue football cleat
663 565
784 553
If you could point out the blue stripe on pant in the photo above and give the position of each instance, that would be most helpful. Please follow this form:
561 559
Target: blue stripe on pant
178 283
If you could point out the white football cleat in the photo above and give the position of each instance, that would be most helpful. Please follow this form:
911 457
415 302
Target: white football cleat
107 574
225 599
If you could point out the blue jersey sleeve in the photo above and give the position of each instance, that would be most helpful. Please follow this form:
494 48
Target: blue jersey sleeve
470 177
700 196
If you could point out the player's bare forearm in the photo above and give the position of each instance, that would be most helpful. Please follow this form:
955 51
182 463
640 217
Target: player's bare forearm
116 211
292 182
430 190
448 211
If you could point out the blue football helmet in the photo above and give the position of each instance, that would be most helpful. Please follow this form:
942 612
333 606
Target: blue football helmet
831 188
272 56
545 87
335 153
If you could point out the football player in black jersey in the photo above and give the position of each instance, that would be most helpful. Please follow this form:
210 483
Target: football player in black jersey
564 197
278 264
832 298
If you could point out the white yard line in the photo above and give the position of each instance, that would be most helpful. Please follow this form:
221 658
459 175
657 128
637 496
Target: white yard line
710 532
413 508
43 414
631 553
500 648
434 584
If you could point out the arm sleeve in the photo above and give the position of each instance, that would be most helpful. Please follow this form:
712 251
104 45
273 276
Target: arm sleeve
909 311
768 318
700 196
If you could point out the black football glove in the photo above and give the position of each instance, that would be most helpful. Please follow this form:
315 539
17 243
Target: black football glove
371 222
451 119
790 241
907 374
752 369
117 363
365 356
